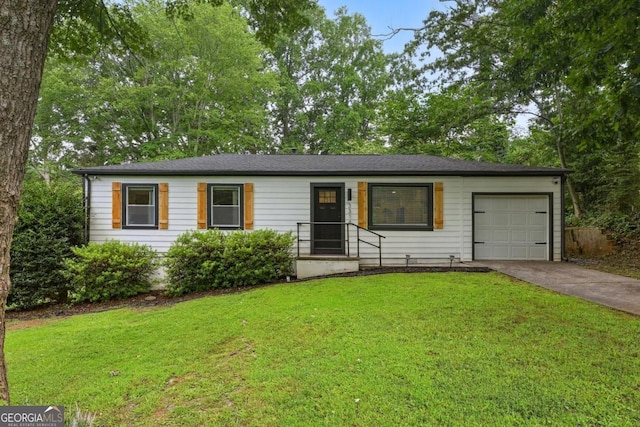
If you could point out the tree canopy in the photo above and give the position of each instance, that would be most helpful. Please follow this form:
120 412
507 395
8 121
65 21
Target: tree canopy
572 67
202 88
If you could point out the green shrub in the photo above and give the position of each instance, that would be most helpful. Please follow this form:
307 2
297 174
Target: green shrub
203 260
104 271
50 223
193 259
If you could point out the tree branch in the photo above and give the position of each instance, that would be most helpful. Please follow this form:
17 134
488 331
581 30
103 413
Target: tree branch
395 31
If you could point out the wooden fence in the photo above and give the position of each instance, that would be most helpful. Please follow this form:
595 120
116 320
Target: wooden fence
587 242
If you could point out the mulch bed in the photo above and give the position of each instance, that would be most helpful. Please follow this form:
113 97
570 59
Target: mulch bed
158 298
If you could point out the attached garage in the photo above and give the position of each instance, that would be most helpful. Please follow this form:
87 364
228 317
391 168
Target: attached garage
512 226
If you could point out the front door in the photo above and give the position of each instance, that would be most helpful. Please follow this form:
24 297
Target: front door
327 207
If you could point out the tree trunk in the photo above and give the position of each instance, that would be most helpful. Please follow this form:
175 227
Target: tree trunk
25 27
577 211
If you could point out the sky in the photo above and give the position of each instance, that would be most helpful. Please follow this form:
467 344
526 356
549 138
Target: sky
382 14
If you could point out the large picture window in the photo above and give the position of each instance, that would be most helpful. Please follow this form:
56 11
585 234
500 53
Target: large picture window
225 206
401 206
140 205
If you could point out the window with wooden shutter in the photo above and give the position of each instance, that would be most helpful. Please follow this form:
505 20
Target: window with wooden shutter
140 205
225 206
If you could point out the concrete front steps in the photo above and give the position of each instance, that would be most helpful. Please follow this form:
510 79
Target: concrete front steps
316 266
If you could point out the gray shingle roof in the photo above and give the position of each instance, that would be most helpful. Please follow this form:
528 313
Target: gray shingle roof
321 165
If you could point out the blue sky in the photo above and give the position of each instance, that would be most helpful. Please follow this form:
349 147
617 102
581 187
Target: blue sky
382 14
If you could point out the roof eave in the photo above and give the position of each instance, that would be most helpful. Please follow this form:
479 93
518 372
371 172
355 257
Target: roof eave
551 172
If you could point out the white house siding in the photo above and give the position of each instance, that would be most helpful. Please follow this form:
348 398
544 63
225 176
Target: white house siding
281 202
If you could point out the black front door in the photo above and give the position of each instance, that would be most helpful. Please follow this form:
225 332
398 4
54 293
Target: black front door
327 206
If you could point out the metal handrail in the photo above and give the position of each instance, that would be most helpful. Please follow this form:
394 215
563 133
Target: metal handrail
346 239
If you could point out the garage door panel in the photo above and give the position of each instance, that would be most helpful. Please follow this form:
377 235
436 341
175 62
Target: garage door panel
499 252
537 236
538 252
482 220
538 204
537 219
515 204
519 219
484 252
519 236
502 204
498 236
511 227
481 204
498 219
518 252
483 234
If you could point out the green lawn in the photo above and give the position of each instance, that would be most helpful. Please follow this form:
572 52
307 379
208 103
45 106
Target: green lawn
388 350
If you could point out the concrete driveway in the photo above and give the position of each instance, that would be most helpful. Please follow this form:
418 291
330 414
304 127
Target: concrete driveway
621 293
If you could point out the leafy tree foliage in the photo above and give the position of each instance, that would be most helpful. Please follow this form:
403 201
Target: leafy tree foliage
333 77
204 90
50 223
571 66
442 124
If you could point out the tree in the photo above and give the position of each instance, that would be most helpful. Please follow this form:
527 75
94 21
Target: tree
334 76
26 29
203 89
442 124
572 66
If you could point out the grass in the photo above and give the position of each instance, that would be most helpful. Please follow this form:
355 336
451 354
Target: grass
388 350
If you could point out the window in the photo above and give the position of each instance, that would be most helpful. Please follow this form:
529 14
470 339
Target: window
140 205
225 206
401 206
327 196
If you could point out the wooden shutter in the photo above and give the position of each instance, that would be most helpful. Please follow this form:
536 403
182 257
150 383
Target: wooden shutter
116 205
362 205
202 205
163 202
438 206
248 206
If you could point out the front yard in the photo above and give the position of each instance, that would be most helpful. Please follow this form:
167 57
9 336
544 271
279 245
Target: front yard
388 350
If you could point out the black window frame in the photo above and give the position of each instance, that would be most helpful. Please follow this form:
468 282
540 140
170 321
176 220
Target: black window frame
210 186
390 227
125 198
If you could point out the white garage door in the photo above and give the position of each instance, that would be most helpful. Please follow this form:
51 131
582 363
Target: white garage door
511 227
